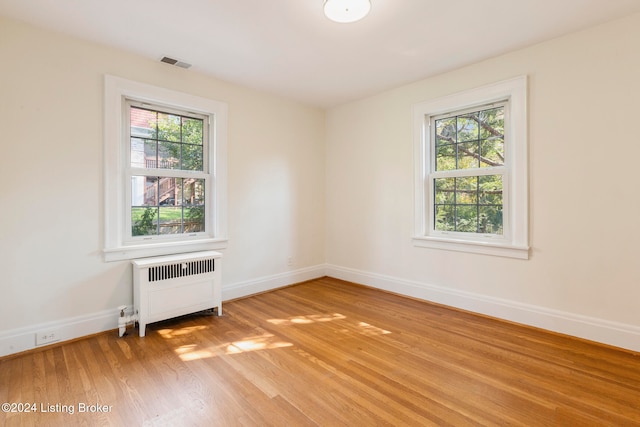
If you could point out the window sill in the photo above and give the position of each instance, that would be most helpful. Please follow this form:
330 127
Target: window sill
169 248
484 248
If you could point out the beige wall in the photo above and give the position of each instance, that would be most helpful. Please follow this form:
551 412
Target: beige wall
334 186
51 228
584 158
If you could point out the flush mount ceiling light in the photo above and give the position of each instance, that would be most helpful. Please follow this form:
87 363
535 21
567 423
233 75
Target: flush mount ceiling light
345 11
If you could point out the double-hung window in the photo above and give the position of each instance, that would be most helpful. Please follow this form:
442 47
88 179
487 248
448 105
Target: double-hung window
165 171
169 172
471 171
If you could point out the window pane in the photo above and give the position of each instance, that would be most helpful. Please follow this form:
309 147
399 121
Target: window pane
490 219
468 155
170 220
470 204
167 205
467 219
143 123
445 218
137 153
470 140
446 157
194 219
168 155
445 191
490 190
169 128
491 123
192 156
467 128
492 152
467 190
144 191
446 131
193 191
167 190
150 154
192 131
144 221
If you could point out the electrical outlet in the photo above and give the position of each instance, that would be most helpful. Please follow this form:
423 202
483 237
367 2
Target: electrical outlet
47 337
290 261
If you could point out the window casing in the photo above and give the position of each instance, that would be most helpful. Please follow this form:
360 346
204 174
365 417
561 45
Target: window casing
471 171
165 171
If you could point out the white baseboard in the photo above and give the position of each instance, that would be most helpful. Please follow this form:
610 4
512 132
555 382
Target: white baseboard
268 283
23 339
594 329
589 328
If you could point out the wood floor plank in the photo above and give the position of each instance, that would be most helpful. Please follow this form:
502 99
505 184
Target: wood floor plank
328 353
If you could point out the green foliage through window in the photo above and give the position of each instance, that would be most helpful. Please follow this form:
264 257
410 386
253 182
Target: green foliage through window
466 200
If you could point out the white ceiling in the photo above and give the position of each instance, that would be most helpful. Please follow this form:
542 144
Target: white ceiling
289 48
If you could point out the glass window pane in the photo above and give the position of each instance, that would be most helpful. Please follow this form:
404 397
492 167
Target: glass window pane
445 191
468 155
144 221
143 123
445 218
490 190
194 219
468 127
193 191
491 123
150 154
137 153
492 152
446 131
446 157
467 190
192 157
170 220
144 190
490 219
467 219
169 127
192 131
168 190
168 155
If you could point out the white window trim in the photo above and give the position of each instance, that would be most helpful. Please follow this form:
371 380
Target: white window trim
515 241
116 90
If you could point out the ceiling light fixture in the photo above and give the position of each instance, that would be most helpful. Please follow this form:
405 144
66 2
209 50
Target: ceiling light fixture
345 11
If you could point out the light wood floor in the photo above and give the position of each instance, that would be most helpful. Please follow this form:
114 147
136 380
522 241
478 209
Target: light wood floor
326 353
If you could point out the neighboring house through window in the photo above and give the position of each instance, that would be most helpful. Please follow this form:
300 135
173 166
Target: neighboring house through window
471 171
165 171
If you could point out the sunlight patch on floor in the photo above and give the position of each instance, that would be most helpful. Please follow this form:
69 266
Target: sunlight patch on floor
371 330
312 318
169 333
261 342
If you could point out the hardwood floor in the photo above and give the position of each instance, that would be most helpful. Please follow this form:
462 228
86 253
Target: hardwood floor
325 353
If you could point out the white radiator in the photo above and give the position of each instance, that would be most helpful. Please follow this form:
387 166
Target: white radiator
174 285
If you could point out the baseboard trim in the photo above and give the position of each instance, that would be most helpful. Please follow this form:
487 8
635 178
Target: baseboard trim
23 339
603 331
593 329
268 283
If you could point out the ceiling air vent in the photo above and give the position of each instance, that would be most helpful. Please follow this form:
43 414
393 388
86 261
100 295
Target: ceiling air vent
175 62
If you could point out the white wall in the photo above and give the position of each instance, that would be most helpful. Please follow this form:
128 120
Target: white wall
339 191
583 275
51 230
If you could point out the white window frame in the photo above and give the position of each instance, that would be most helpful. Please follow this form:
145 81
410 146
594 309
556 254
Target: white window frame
514 242
118 243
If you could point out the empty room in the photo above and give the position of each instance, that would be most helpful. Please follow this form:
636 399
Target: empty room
320 213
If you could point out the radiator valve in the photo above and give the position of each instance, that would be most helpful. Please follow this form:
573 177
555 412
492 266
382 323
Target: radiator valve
124 320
